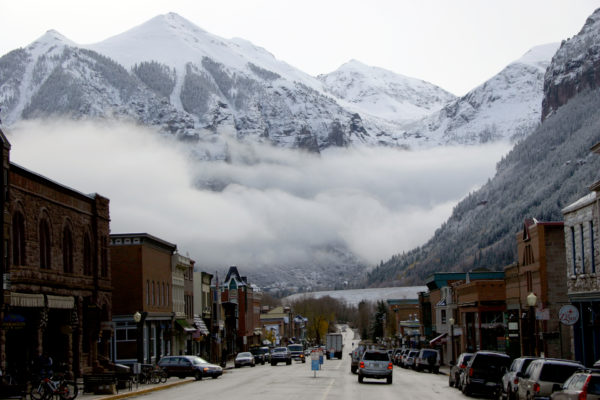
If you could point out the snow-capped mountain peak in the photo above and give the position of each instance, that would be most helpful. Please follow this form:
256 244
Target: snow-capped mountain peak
539 56
384 94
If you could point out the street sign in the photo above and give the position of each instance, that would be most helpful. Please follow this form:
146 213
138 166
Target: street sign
568 314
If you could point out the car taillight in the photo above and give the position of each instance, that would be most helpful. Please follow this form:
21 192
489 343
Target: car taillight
583 394
471 371
536 387
463 366
390 365
362 364
516 381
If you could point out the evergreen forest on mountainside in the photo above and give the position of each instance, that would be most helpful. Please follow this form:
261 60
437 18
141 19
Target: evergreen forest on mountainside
541 175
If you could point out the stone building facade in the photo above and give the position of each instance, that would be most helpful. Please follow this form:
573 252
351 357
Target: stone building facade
582 274
56 278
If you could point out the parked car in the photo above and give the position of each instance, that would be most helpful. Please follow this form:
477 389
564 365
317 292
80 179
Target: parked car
428 359
582 385
355 356
401 356
457 368
244 358
484 373
281 354
409 360
396 354
510 380
183 366
261 354
543 376
297 351
375 364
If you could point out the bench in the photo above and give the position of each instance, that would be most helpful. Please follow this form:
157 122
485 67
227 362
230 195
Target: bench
102 383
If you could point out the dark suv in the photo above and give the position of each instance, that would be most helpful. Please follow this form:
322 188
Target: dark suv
183 366
484 372
260 354
281 354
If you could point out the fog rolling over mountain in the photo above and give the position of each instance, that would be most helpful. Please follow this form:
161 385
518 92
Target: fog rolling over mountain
545 172
308 178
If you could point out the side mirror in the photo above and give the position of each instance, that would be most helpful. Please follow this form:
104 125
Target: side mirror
556 387
520 374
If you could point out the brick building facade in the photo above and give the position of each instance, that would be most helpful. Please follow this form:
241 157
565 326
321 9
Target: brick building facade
142 277
56 278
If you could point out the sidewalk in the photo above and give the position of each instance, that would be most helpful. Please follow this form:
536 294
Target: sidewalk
145 388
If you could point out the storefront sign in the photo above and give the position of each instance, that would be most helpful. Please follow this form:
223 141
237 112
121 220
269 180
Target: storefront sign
568 314
13 321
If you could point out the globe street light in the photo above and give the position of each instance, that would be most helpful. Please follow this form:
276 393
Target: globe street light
531 302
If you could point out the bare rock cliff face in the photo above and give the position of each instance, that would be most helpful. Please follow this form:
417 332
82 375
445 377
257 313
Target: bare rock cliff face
574 68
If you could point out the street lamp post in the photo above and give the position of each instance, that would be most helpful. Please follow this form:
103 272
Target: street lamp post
531 302
451 320
139 318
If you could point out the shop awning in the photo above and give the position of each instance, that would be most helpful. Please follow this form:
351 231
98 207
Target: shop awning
26 300
63 302
437 339
201 326
183 324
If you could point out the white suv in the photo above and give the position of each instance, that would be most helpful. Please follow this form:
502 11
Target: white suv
428 359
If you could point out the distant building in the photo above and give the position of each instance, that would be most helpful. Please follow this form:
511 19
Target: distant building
142 279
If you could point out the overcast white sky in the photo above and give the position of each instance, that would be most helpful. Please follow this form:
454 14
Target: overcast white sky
454 44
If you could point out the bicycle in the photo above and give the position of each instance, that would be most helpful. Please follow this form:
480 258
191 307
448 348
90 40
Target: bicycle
48 387
158 375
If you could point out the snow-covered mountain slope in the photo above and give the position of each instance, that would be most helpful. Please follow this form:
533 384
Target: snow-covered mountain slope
506 107
384 94
575 67
171 74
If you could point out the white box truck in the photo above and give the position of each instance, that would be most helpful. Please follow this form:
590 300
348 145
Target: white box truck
334 342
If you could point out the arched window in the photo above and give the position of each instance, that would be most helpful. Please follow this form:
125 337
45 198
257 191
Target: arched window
45 245
104 258
18 239
67 250
87 254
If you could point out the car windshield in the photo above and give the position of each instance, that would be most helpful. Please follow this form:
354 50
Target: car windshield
376 356
413 353
295 347
557 373
279 350
491 360
198 360
244 354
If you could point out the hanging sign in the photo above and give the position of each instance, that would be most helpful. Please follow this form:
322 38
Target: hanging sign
568 314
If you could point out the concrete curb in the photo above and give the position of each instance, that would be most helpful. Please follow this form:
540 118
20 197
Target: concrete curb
144 391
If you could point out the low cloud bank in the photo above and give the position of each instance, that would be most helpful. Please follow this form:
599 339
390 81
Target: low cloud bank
263 206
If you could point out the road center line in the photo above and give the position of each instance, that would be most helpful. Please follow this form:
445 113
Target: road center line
328 389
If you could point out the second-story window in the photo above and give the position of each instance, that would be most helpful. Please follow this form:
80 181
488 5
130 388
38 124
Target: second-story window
592 255
45 245
18 239
582 249
573 253
87 254
67 250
